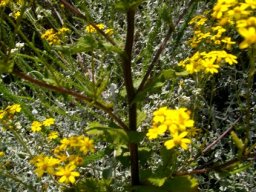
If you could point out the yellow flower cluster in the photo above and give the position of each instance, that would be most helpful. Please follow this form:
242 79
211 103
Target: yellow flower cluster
36 126
67 156
207 62
3 3
212 41
206 35
82 143
9 111
177 122
54 37
238 14
91 29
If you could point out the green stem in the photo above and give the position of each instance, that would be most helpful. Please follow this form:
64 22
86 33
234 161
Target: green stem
250 79
20 140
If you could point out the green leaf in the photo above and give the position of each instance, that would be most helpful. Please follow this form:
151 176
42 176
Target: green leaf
181 184
182 73
149 188
113 135
141 117
165 13
135 137
168 74
157 181
240 168
91 185
6 66
93 157
84 44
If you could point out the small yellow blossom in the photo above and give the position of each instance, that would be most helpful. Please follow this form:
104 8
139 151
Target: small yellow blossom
63 30
251 3
45 164
1 154
53 135
36 126
176 121
209 66
16 15
48 122
154 132
228 42
178 140
86 145
51 36
67 174
109 31
91 29
249 35
3 3
13 108
2 113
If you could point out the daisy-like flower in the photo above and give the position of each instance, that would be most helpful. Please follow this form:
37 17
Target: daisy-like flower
36 126
178 140
249 35
13 108
53 135
45 164
48 122
85 145
67 174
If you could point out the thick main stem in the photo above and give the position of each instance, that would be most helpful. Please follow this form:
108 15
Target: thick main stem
132 108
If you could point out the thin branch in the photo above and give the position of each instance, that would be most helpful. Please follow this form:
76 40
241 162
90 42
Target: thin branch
161 48
75 94
220 137
216 167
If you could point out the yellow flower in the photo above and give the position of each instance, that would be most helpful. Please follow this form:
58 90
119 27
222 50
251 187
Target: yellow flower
3 3
228 42
154 132
13 108
16 15
85 145
109 31
53 135
45 164
1 154
249 35
2 113
209 66
48 122
36 126
65 142
51 36
66 174
75 159
251 3
239 12
249 22
63 30
91 29
198 20
178 140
